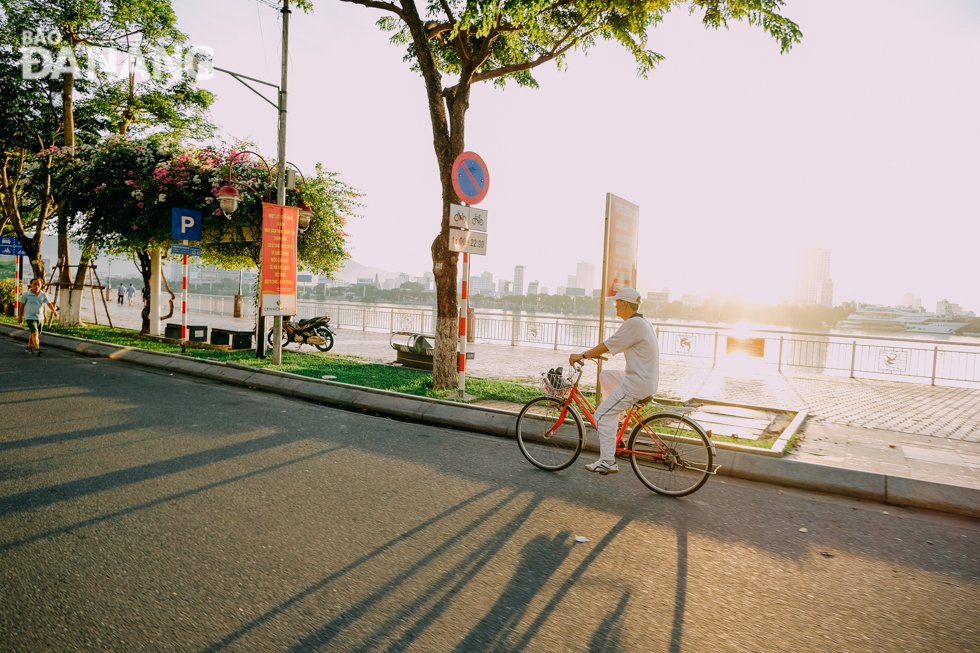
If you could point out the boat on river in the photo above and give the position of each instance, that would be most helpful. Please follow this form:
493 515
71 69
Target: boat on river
872 317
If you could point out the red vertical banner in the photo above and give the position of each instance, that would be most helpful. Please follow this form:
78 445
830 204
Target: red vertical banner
622 241
279 225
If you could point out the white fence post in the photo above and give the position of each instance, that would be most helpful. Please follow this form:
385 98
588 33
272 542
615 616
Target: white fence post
854 348
556 335
935 357
779 363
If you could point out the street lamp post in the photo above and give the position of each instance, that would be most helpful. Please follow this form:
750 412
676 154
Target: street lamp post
281 182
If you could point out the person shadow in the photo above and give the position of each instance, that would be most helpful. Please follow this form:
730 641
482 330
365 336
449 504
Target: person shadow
540 558
608 635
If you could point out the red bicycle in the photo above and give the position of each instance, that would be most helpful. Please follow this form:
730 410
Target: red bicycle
670 453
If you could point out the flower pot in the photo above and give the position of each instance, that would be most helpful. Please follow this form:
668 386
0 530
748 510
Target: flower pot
8 310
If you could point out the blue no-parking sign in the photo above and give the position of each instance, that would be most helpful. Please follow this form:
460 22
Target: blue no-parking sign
186 224
471 178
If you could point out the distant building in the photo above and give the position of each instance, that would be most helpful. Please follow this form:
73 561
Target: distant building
572 281
400 279
503 287
692 301
532 288
813 285
949 309
825 293
910 300
481 285
597 293
575 292
389 284
519 280
585 277
429 278
543 290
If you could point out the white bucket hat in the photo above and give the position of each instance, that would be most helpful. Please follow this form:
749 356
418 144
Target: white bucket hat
627 294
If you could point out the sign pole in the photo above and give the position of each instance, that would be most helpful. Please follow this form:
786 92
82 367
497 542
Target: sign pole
281 194
462 325
183 306
17 264
602 296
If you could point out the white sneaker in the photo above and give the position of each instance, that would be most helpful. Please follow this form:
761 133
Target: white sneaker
603 467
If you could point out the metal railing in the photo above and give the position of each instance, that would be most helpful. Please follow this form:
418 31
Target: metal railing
860 356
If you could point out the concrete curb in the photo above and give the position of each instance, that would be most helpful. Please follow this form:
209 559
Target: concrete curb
871 486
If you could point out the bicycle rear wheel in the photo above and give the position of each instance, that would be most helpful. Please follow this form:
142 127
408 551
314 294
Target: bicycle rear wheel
546 443
684 462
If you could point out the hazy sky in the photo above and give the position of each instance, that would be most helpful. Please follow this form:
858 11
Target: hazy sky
864 139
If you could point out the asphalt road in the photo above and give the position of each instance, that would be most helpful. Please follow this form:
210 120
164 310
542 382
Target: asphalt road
141 511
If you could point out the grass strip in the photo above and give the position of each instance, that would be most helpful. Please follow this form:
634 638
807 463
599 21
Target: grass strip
317 365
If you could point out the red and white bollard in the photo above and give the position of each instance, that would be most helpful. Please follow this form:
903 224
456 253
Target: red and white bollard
183 306
462 324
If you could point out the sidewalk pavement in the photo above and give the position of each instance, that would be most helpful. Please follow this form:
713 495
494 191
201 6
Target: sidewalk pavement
893 428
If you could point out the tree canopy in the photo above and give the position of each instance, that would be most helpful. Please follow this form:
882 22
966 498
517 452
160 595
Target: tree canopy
125 190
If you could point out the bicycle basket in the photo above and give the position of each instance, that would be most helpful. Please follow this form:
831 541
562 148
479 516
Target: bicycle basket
557 384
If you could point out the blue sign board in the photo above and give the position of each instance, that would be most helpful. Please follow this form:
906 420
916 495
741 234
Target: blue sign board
471 178
189 250
11 247
185 224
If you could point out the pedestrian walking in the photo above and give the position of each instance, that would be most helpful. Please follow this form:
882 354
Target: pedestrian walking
31 306
122 293
130 294
638 342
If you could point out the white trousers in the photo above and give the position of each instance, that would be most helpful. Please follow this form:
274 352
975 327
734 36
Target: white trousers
609 411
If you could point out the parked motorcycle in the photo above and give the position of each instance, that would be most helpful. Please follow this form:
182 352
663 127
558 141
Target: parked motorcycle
316 331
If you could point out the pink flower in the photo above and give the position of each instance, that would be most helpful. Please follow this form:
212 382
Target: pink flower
98 188
140 205
217 211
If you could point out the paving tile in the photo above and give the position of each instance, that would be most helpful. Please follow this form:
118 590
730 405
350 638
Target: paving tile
877 467
874 453
946 457
941 473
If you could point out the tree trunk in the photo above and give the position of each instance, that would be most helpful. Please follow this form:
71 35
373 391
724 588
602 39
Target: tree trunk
70 311
144 264
447 139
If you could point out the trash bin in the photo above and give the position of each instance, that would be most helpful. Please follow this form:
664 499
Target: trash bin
195 332
238 305
413 349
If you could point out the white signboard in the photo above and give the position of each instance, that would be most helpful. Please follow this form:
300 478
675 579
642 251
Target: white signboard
278 304
473 242
468 217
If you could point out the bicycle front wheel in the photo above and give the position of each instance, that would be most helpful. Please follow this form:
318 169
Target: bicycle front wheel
547 443
670 454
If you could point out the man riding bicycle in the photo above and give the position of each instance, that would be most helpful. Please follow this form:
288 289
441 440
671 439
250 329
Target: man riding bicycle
638 342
